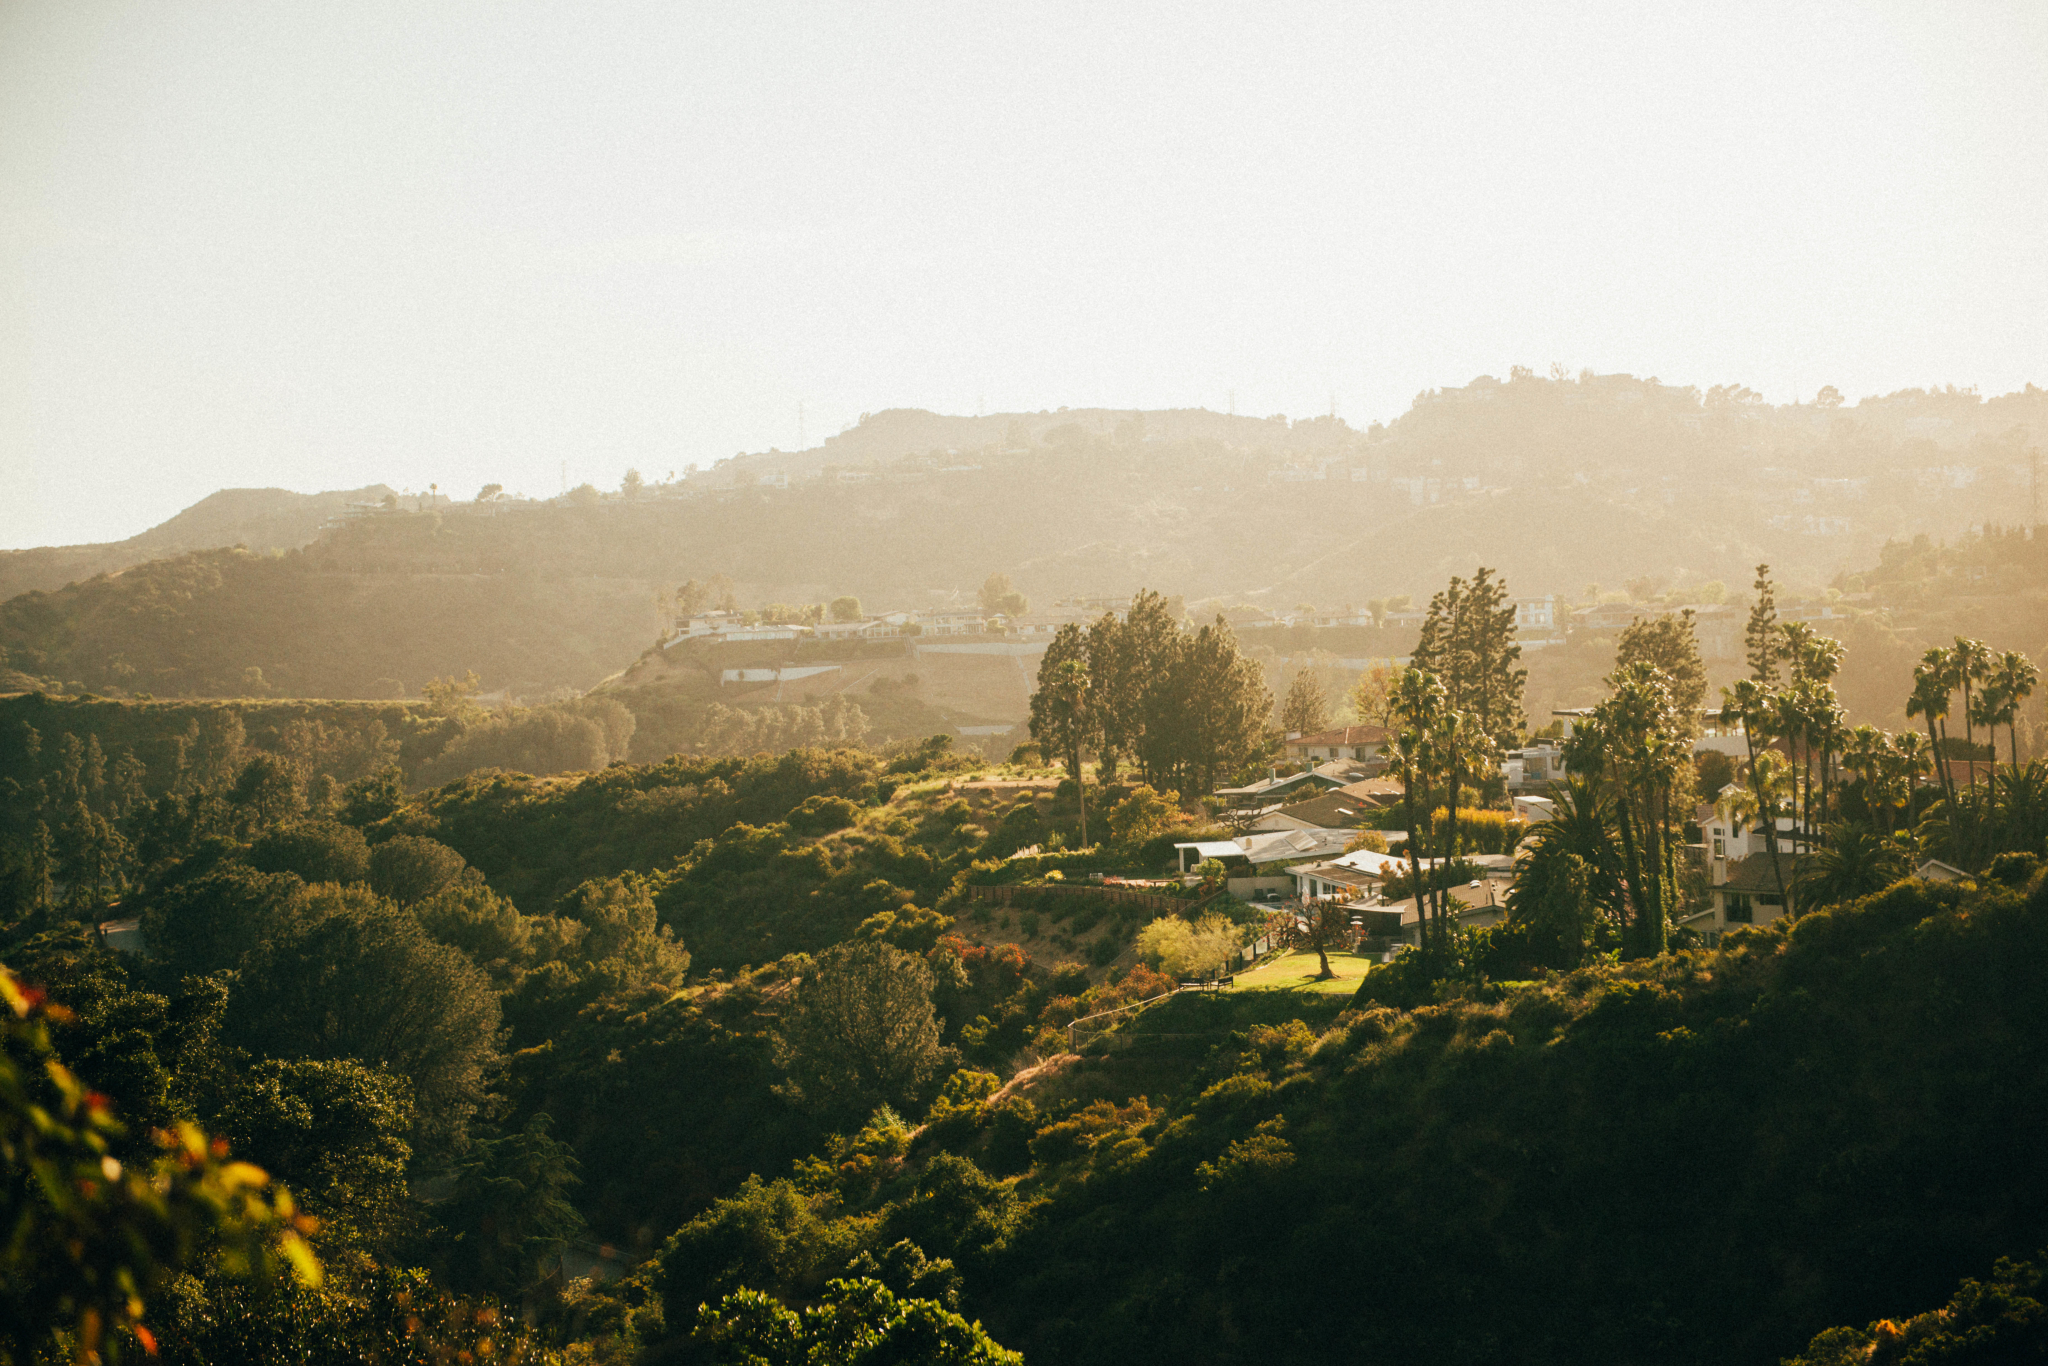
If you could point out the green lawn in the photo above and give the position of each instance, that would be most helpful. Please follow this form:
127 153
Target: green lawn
1297 971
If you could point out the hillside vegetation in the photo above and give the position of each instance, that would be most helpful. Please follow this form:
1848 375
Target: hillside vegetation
1827 1121
260 519
1639 486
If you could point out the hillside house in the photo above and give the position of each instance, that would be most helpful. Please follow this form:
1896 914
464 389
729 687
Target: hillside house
1280 789
1229 853
1284 848
951 623
1356 743
1356 876
1350 807
1532 769
1476 905
1608 616
1536 614
1264 852
1744 892
850 630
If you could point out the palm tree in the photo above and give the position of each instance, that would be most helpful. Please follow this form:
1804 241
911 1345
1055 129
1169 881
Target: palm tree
1637 742
1908 760
2023 807
1830 729
1462 746
1749 704
2012 681
1856 862
1933 681
1865 753
1418 706
1969 662
1581 825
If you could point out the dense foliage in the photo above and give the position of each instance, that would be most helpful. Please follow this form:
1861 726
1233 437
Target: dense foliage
838 1054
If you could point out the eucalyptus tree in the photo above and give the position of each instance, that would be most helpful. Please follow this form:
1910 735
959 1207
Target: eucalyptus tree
1671 642
1464 748
1070 688
1055 727
1307 708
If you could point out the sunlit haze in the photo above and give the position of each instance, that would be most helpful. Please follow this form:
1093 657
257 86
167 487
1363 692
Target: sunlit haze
318 247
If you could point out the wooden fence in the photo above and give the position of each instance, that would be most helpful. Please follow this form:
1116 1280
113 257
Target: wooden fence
1115 896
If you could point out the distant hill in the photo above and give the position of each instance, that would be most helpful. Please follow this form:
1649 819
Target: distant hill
261 519
1560 483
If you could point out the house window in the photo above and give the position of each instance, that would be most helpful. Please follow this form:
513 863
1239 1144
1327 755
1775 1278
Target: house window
1720 845
1735 910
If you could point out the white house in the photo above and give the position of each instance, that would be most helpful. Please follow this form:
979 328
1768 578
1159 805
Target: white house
1745 891
1532 769
1536 614
1351 742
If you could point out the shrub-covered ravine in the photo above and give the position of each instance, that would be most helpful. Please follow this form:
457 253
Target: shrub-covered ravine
1704 1157
778 1040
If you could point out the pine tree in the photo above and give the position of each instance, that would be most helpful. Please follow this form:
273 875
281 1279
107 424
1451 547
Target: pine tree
1764 645
1306 710
1468 642
1669 643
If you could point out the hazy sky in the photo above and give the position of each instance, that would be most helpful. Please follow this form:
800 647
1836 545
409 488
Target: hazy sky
321 245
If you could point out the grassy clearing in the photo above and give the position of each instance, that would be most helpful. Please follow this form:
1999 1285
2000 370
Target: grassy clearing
1297 972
